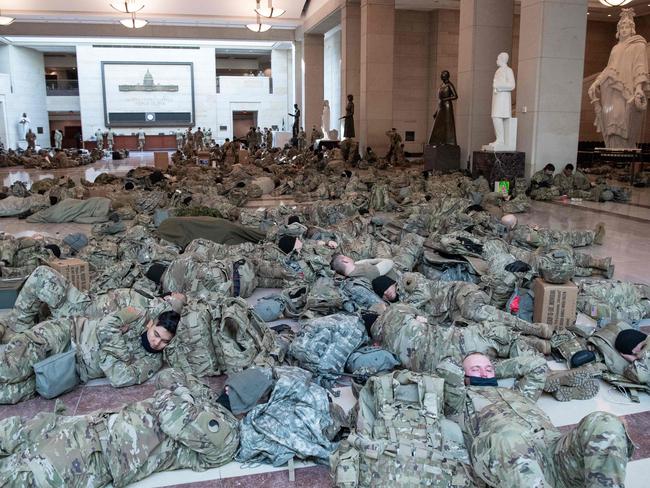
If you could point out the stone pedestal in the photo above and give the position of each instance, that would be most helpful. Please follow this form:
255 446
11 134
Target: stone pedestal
322 144
445 157
499 166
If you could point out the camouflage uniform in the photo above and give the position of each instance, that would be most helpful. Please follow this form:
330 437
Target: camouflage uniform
105 347
529 237
180 426
513 442
610 300
542 187
19 256
448 302
420 346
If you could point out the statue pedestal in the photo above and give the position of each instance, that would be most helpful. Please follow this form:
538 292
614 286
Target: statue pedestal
322 144
445 157
510 136
22 145
499 165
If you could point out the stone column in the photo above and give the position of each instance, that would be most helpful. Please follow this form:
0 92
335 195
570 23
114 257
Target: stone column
350 58
550 76
313 76
297 76
485 31
377 56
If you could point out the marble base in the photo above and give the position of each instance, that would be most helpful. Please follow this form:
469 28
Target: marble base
445 157
499 166
322 144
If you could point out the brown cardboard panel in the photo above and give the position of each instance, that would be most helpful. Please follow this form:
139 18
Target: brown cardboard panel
555 304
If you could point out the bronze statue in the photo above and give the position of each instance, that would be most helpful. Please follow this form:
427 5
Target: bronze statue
31 139
348 127
444 126
296 121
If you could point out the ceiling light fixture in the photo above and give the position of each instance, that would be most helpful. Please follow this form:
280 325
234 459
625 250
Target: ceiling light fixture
270 11
133 22
614 3
128 6
258 27
4 20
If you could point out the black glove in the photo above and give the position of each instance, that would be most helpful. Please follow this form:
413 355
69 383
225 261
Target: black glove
471 246
518 266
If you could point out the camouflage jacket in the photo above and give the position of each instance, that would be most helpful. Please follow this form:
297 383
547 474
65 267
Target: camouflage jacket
112 347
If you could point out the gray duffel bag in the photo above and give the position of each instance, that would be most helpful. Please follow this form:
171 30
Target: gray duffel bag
57 374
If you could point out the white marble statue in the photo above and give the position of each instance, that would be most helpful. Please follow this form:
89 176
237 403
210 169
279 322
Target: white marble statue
58 139
24 124
505 127
325 119
620 92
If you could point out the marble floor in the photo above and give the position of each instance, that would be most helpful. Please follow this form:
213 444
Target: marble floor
628 230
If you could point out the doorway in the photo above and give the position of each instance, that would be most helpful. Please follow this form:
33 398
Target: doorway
242 121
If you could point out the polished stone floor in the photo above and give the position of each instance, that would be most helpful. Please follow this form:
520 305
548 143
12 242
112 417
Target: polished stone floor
628 233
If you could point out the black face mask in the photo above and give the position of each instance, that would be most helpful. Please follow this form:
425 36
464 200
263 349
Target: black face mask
224 401
478 381
144 340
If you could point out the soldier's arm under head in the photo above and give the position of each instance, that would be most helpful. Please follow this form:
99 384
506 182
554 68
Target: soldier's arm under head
119 364
529 373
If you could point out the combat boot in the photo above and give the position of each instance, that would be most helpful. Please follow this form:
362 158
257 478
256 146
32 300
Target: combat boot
585 391
600 234
600 263
542 346
572 377
537 329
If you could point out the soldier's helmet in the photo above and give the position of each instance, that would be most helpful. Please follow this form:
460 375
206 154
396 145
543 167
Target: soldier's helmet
556 266
607 195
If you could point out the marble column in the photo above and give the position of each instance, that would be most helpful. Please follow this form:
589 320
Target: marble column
485 31
376 82
313 79
296 92
549 81
350 57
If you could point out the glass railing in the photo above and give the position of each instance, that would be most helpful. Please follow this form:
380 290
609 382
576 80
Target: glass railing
260 84
62 87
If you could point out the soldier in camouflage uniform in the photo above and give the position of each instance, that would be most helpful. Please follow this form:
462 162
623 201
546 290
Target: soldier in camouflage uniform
449 302
19 256
610 301
123 346
541 184
513 442
532 237
180 426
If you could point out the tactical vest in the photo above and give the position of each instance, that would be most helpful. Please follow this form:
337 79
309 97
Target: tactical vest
604 340
401 438
324 297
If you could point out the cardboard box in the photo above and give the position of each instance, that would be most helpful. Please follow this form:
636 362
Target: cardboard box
75 270
555 304
161 160
9 291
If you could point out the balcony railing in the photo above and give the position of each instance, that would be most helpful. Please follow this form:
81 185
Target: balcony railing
253 84
62 88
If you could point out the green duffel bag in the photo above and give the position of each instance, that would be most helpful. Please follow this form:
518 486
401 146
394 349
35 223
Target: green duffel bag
57 374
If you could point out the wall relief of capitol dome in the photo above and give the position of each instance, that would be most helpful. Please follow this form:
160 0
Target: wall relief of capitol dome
148 85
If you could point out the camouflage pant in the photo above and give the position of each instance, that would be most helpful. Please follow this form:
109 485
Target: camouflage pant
529 237
60 450
22 351
545 193
594 454
46 285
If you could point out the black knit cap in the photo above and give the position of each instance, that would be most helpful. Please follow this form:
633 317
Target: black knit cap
287 243
628 339
155 272
294 219
381 284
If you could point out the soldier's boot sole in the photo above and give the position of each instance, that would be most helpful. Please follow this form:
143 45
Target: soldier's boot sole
600 234
572 377
585 391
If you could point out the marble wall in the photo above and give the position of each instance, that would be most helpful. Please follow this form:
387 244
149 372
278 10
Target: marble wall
332 74
26 92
